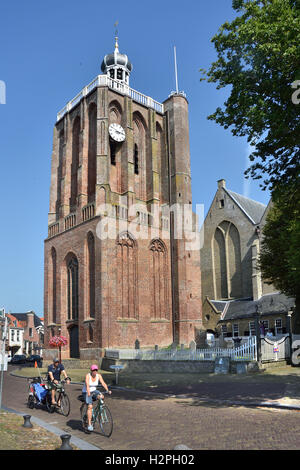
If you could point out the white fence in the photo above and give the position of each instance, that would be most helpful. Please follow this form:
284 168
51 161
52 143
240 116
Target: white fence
246 352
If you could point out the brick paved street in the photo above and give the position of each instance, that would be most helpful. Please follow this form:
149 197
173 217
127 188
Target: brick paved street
144 421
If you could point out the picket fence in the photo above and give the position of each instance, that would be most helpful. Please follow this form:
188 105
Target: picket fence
245 352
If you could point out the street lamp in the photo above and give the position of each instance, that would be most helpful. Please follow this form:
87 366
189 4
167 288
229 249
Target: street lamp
257 332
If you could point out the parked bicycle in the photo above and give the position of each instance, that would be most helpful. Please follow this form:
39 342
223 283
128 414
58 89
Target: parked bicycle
100 414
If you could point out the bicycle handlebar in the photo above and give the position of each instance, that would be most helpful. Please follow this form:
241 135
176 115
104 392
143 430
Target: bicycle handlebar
105 392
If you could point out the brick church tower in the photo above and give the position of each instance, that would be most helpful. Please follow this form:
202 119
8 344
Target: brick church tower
116 270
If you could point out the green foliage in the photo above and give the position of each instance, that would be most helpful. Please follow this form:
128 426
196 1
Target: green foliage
258 55
280 254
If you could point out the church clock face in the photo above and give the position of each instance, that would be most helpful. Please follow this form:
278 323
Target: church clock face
117 132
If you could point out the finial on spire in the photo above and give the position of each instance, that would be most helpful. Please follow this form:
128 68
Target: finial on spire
116 37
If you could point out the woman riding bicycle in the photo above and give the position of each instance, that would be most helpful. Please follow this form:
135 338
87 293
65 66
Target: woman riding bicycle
90 391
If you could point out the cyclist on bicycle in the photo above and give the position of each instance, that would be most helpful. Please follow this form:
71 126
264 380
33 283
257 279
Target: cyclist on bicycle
89 391
54 372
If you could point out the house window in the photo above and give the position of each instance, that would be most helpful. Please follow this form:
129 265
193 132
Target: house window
278 326
235 329
12 335
266 326
221 203
30 332
252 328
224 330
112 73
18 335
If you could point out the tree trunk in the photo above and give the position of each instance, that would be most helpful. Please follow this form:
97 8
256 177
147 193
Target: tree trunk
296 318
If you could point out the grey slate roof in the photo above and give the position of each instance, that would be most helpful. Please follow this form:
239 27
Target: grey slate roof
253 209
219 305
269 304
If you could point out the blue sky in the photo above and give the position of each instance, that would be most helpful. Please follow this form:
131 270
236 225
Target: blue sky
50 51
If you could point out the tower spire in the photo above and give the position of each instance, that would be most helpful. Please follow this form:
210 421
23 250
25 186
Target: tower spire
116 37
116 65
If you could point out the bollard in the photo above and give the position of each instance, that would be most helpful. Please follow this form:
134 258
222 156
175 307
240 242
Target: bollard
181 447
65 438
27 423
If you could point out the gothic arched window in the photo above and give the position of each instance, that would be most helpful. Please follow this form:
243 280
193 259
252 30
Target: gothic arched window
136 159
162 164
112 146
60 172
227 261
72 268
75 163
92 152
53 267
91 275
139 136
127 276
159 274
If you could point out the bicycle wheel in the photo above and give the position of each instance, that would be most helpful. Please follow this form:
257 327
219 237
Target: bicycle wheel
105 421
83 413
30 402
49 406
64 404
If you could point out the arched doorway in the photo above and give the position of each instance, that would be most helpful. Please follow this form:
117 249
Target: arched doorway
74 341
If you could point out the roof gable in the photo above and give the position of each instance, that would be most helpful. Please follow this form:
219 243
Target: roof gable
253 209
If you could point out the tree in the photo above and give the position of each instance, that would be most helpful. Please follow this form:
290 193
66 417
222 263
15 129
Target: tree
259 57
280 254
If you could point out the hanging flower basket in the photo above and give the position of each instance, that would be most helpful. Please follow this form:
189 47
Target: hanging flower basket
58 342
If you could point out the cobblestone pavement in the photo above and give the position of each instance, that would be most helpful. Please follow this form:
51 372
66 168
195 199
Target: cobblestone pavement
147 421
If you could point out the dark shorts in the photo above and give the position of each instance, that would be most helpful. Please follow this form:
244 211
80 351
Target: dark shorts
89 399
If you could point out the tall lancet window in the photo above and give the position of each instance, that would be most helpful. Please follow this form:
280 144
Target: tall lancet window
60 172
159 281
113 149
139 136
92 152
226 249
53 284
73 289
91 275
162 164
75 163
127 297
136 159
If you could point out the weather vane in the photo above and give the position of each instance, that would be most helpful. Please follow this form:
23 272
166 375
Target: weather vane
116 25
116 37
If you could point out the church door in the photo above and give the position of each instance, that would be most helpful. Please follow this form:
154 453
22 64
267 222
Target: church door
74 342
